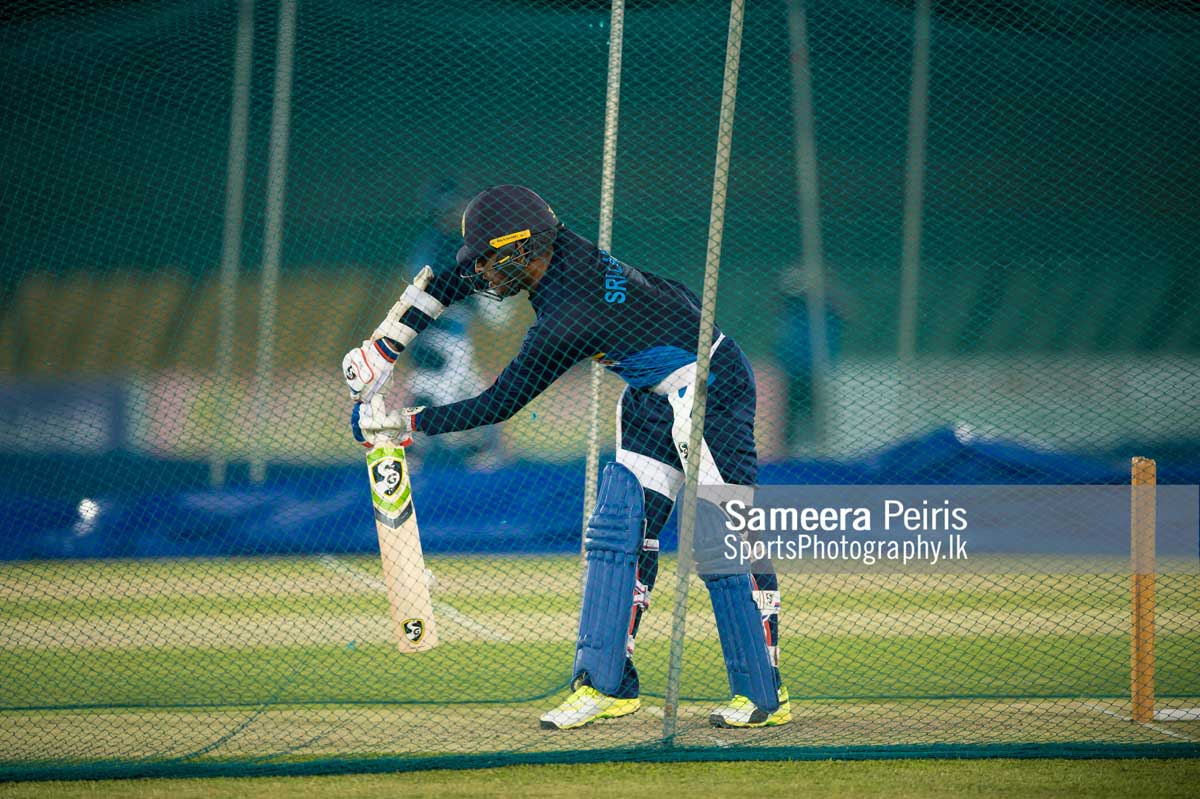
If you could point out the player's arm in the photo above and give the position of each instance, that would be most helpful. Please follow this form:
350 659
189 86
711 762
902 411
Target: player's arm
368 367
421 303
548 351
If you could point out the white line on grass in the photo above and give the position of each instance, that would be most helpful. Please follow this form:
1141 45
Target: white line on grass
1147 725
442 609
1177 714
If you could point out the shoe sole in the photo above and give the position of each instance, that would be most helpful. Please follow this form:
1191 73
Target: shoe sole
550 725
718 721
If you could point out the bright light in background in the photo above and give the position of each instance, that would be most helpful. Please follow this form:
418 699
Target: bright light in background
89 511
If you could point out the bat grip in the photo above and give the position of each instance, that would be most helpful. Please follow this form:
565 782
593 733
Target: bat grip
389 441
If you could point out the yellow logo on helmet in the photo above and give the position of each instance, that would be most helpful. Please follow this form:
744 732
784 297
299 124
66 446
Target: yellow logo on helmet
500 241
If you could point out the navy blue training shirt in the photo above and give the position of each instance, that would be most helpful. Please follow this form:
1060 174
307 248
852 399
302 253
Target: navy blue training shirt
587 305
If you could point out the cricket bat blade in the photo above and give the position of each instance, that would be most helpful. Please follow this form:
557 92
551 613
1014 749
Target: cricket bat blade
400 549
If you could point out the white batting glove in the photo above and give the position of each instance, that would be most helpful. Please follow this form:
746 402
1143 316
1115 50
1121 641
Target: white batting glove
372 423
367 368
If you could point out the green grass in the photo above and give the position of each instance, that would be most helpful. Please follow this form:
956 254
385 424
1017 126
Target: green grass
305 674
1036 598
291 659
928 779
828 667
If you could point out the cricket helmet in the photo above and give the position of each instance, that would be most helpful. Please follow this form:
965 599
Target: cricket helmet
510 221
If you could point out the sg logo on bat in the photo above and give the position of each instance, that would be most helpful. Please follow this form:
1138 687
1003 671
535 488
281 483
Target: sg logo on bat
414 630
387 475
390 488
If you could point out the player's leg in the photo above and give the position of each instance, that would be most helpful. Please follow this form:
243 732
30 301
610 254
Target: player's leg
645 447
646 452
613 545
757 698
746 605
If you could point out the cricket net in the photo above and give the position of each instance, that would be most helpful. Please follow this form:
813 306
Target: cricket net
956 241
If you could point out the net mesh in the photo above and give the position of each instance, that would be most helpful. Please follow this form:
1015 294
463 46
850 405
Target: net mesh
999 288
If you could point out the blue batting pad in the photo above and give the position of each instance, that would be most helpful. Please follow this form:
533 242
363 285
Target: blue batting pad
739 623
614 537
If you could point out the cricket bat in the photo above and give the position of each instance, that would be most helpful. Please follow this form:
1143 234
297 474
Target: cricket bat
400 549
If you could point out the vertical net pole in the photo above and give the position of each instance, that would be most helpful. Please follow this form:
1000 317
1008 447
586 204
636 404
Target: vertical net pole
273 243
1142 528
608 179
914 183
808 194
231 243
708 313
914 192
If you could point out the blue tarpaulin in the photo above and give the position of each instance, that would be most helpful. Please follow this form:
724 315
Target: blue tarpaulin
119 505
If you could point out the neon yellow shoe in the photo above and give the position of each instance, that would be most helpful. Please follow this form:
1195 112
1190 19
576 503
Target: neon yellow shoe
586 705
741 712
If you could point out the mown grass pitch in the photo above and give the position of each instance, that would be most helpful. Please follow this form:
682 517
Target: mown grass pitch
928 779
290 660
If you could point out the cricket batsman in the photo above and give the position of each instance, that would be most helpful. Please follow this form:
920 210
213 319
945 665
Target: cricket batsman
644 329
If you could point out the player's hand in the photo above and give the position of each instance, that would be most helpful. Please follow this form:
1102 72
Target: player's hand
367 368
371 421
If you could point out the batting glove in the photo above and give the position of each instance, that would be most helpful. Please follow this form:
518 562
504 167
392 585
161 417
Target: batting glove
367 368
372 423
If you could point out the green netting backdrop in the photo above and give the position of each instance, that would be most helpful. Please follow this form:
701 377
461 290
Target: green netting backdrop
188 582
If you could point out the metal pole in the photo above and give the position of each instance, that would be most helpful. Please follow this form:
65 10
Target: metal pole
808 194
604 241
273 242
235 193
914 185
708 314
